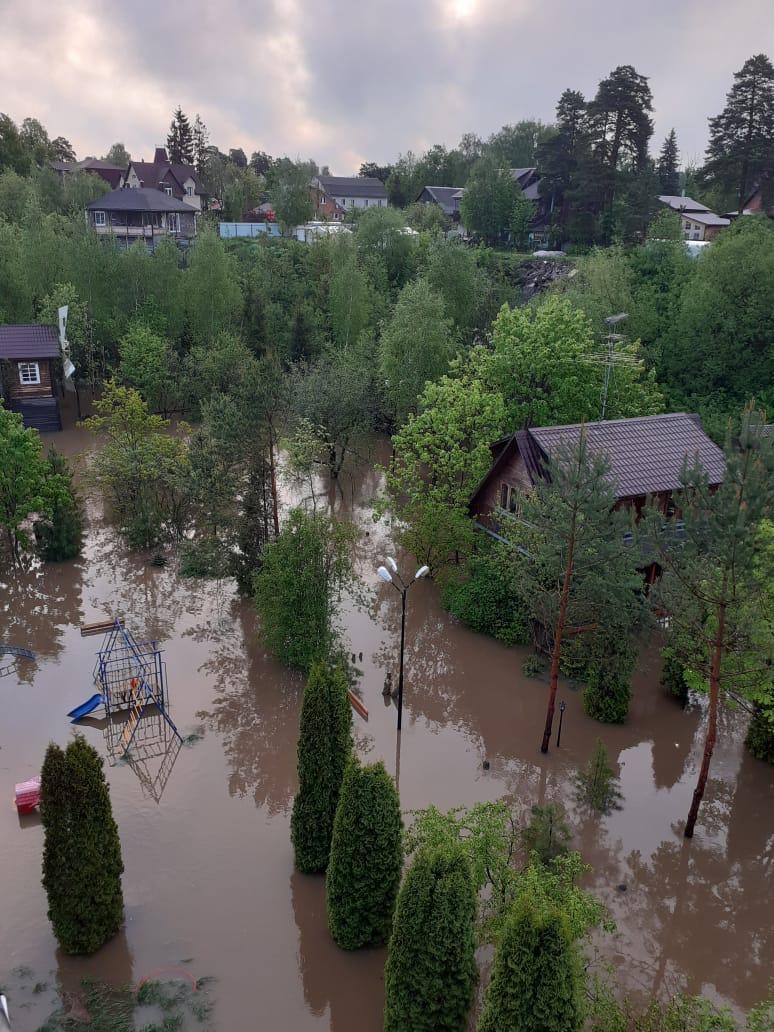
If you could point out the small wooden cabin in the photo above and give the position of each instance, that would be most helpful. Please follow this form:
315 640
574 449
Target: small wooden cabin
28 357
646 456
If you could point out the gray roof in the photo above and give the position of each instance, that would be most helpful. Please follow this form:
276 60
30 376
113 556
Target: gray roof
707 218
353 186
646 453
145 199
445 196
32 341
685 204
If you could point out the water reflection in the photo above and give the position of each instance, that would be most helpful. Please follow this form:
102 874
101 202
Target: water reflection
36 606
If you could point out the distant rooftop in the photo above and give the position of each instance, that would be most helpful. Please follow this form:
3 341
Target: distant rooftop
144 200
353 186
29 341
679 203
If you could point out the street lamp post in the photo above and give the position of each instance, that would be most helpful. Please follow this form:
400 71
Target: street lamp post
401 587
562 708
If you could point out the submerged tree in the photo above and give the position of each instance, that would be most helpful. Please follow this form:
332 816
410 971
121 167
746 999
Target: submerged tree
61 535
535 984
574 567
431 967
82 864
719 604
324 747
366 858
597 783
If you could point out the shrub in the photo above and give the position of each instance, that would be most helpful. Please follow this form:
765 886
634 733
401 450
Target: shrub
82 863
366 858
606 695
597 783
673 676
61 535
547 834
324 746
535 983
487 602
760 734
431 966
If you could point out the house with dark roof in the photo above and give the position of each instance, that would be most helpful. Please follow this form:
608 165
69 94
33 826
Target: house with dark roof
181 182
338 194
446 197
112 174
646 456
698 221
141 214
28 360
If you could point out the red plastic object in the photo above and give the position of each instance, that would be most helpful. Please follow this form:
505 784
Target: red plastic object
28 795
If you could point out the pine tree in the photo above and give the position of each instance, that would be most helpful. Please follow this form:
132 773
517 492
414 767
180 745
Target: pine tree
741 144
82 863
431 967
597 783
573 566
180 140
366 858
559 155
716 586
668 165
324 747
61 536
200 140
535 985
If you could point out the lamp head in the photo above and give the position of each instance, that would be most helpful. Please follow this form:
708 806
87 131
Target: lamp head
392 564
384 574
422 572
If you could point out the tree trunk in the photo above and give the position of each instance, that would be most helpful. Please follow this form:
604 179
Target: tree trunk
274 498
712 721
556 653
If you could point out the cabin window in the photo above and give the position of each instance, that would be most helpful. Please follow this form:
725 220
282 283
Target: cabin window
99 218
29 373
510 498
173 222
189 191
167 189
503 496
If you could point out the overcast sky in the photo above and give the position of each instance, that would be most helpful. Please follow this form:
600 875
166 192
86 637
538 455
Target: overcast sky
357 80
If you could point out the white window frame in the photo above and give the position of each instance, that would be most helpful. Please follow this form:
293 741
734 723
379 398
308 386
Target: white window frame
100 218
29 374
167 189
189 190
173 221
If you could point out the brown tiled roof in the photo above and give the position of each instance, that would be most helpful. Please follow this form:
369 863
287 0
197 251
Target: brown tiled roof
646 453
22 342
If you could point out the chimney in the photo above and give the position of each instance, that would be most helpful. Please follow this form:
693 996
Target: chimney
160 157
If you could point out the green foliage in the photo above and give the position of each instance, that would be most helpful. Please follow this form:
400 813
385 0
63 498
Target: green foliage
366 858
212 296
490 200
146 363
324 748
597 783
608 690
440 456
141 469
666 226
673 675
452 271
61 536
487 599
298 584
547 835
760 733
28 485
522 214
535 985
290 193
415 347
431 970
382 240
82 863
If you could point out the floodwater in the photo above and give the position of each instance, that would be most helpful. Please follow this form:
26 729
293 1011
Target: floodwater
209 884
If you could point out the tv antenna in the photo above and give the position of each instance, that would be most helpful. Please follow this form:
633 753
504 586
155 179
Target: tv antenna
607 356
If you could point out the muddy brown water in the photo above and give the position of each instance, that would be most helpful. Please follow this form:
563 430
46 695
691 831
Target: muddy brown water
209 883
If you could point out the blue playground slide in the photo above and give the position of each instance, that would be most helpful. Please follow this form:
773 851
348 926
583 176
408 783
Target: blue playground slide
85 708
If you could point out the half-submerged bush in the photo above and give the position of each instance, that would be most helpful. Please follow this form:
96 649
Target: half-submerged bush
366 858
486 600
431 967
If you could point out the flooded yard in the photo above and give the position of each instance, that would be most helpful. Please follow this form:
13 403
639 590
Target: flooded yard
209 884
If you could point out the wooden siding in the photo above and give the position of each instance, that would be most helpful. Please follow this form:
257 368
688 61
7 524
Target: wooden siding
513 472
16 389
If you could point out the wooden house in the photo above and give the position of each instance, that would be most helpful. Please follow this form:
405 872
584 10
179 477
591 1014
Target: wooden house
29 357
646 456
141 214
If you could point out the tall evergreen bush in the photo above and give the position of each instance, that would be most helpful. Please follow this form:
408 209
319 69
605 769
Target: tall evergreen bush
61 536
535 984
431 966
366 858
82 863
324 746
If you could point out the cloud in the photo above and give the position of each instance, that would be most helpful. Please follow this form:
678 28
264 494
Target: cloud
346 81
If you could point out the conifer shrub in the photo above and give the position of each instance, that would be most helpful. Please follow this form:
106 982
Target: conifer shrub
606 694
673 676
760 734
82 863
61 536
366 858
597 783
324 747
535 985
431 967
547 834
